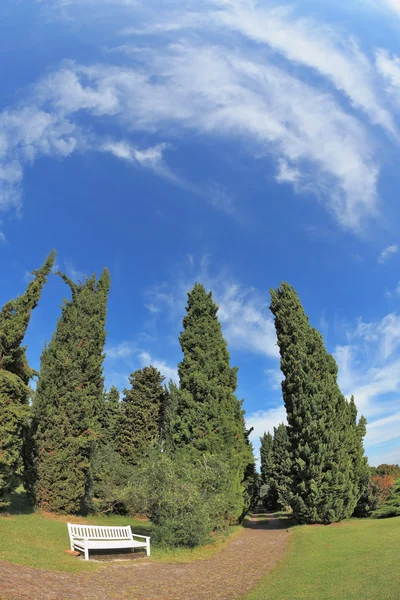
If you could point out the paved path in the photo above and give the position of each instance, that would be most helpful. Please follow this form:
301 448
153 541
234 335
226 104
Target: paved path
228 575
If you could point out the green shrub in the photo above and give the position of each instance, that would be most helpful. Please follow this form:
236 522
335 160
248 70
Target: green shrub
186 500
392 507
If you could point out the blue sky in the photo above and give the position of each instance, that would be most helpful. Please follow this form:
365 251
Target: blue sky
233 142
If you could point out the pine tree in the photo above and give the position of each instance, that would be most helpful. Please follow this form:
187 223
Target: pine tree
111 417
320 432
15 375
142 409
68 401
209 418
282 466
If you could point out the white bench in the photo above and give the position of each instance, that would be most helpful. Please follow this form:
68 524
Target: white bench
92 537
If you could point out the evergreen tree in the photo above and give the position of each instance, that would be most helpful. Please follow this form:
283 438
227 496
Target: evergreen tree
209 418
111 417
282 466
68 401
169 420
321 433
14 379
266 457
142 409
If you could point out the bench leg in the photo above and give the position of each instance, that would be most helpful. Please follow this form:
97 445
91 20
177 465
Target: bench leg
86 552
148 548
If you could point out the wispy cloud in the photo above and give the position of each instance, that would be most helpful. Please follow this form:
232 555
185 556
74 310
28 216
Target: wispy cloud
132 356
369 368
3 239
243 311
73 273
203 83
387 253
169 372
121 350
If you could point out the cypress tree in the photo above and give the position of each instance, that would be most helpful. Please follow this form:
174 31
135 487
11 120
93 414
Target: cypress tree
209 418
282 466
111 417
68 401
14 379
142 409
320 431
266 457
270 497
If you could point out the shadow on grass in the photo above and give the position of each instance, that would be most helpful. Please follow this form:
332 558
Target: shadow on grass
19 504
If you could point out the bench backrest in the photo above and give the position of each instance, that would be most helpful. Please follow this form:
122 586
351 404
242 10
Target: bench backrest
94 532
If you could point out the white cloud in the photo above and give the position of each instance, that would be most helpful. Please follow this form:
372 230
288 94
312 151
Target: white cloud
169 372
3 239
389 67
387 253
73 273
243 311
245 319
120 351
217 90
263 421
369 368
313 45
394 4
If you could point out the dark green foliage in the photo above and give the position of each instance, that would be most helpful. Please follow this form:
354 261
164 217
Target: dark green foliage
266 457
69 401
170 416
326 444
282 463
267 472
209 418
185 498
111 478
392 507
111 417
142 410
14 379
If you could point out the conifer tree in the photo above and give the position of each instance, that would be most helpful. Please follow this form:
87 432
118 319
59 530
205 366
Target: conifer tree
266 457
111 417
68 401
282 466
14 379
209 418
142 410
321 433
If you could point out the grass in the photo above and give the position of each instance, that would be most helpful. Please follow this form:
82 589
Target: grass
354 560
38 540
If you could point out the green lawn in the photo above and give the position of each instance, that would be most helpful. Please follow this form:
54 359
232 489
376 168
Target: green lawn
39 540
355 560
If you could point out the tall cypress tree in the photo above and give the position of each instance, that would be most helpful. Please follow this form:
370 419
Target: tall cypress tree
320 431
266 457
282 462
14 379
111 417
68 400
209 418
142 409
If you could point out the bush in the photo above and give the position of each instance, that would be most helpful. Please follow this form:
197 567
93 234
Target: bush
391 508
186 500
378 493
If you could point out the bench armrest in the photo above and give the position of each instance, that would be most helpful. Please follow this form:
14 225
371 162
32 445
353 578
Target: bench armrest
145 537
